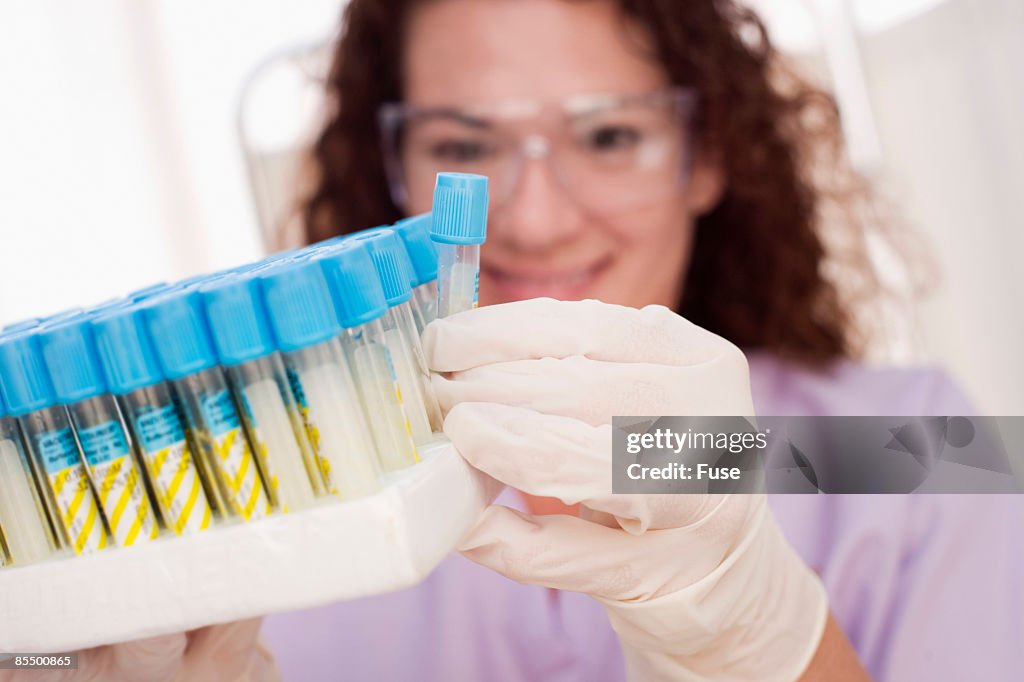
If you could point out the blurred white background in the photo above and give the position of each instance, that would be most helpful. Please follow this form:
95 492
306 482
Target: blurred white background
121 161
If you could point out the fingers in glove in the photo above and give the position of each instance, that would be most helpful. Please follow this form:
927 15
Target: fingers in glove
594 391
154 659
544 327
568 553
553 456
224 652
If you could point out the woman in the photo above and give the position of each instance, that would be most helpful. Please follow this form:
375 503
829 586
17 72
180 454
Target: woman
640 152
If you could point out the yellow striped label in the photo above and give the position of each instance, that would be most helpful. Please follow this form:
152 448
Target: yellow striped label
180 489
240 476
124 501
78 510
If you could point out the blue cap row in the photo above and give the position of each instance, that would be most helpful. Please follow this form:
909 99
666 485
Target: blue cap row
285 302
229 320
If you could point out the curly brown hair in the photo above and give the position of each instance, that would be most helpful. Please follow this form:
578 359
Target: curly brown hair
759 275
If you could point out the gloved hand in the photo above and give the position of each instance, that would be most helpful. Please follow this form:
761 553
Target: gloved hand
219 653
696 586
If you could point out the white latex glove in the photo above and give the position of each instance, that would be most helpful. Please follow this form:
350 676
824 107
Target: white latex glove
219 653
697 586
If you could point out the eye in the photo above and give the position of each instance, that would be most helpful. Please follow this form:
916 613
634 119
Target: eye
459 151
612 138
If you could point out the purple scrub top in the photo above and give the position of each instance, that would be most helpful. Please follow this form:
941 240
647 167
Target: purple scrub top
927 587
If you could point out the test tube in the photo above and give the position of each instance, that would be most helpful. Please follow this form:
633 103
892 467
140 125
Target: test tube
415 234
242 337
459 228
306 331
185 354
69 352
392 264
359 305
61 474
28 535
147 404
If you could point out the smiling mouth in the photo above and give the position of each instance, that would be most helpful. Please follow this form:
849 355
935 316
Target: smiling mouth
566 284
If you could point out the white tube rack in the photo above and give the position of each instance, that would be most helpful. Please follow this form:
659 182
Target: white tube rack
332 552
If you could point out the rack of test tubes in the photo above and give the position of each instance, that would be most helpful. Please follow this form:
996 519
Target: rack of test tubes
157 449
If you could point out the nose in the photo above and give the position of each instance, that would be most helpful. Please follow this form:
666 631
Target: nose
539 214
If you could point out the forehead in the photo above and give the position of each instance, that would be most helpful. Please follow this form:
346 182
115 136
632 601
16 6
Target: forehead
484 51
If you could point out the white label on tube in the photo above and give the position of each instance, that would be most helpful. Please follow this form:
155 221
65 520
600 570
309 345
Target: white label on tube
280 451
342 443
384 406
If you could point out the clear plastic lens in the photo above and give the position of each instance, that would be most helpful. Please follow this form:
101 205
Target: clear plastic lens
610 154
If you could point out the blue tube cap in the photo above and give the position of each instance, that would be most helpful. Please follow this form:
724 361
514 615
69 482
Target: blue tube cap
415 234
125 351
177 328
24 381
298 304
69 352
352 279
460 209
391 262
238 320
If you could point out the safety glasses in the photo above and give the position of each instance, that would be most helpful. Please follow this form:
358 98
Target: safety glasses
609 152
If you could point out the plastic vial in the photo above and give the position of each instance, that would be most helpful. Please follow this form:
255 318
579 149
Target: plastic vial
424 309
459 228
148 406
185 353
359 304
415 234
69 352
392 264
61 475
245 346
306 331
27 533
